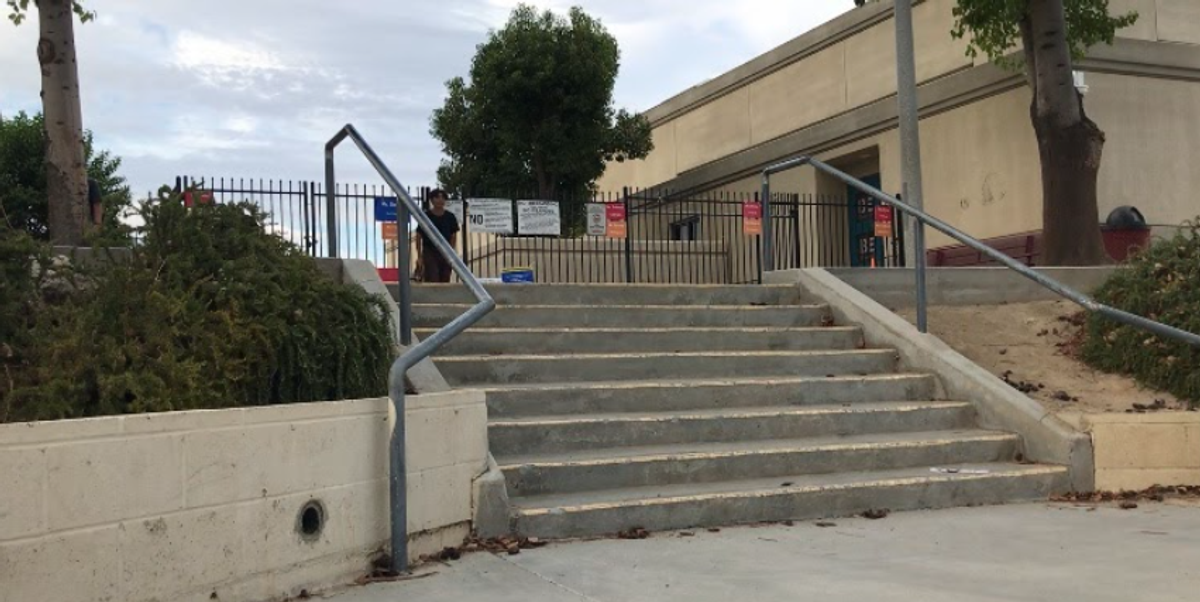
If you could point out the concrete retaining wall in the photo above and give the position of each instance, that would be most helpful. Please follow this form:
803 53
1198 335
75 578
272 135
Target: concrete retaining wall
895 287
1136 451
206 505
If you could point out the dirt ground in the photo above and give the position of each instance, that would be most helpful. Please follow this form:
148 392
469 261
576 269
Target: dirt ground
1022 341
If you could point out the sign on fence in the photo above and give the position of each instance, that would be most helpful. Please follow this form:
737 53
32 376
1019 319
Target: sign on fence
752 218
385 208
597 223
884 217
456 207
391 230
614 216
538 218
490 215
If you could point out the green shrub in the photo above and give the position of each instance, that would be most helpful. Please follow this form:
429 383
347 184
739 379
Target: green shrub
1163 284
210 311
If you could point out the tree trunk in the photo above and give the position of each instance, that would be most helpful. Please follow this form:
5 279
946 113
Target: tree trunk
1070 145
66 174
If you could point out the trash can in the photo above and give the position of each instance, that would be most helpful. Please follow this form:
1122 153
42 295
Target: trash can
1125 232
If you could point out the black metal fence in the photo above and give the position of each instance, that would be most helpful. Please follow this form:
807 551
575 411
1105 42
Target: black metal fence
668 237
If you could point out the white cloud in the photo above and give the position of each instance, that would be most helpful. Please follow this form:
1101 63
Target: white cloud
237 88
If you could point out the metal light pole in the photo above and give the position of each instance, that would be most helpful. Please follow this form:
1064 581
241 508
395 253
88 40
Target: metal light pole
910 143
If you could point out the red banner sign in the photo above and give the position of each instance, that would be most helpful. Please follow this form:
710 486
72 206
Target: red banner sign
615 226
752 218
884 218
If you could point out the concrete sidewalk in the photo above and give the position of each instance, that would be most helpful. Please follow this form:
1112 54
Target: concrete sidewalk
1029 552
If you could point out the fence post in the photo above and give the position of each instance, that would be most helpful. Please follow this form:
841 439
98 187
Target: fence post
762 239
628 236
466 234
796 229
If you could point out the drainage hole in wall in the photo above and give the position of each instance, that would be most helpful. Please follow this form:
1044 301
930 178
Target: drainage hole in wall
311 520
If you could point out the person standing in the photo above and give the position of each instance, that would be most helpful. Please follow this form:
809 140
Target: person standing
431 265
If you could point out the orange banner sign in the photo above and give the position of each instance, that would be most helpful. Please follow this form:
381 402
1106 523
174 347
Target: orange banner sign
391 230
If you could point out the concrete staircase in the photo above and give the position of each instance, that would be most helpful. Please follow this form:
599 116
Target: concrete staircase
670 407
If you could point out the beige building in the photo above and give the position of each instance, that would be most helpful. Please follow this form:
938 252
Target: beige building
831 93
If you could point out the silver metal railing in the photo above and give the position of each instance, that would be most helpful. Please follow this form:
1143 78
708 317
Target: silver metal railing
406 209
924 219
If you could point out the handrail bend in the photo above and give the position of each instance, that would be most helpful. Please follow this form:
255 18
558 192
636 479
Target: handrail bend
411 354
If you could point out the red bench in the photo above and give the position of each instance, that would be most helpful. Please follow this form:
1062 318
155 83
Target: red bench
1026 248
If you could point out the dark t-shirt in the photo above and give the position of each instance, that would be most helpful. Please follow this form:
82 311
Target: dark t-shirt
445 223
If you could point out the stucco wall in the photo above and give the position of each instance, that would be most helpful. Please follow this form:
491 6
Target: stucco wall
1161 20
856 68
204 505
1153 130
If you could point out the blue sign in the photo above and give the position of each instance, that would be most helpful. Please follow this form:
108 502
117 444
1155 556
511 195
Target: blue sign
385 208
517 275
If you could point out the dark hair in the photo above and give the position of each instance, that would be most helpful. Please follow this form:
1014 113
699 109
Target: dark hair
435 193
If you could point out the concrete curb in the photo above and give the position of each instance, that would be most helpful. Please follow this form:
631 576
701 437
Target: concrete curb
1046 438
489 502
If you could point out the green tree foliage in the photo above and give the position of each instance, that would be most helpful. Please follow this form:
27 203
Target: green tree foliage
210 312
1163 284
23 179
18 9
993 27
537 114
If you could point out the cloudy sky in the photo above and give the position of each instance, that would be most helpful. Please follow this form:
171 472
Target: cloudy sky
253 88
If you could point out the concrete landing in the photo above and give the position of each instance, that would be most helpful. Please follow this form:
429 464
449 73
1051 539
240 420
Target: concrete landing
1030 553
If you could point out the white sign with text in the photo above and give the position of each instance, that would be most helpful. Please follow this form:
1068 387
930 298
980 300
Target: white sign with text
490 215
597 219
539 218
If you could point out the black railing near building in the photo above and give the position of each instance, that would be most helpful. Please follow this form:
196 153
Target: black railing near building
691 238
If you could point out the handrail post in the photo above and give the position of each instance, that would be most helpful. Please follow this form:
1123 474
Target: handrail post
330 203
768 242
768 236
404 273
411 354
918 229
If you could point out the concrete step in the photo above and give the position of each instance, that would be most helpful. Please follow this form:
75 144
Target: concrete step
698 394
807 497
476 370
618 468
558 434
627 316
499 341
601 294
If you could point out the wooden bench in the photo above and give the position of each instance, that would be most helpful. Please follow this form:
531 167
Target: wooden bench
1026 248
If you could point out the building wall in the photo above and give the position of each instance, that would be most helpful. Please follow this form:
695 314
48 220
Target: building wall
830 79
204 505
1153 130
982 172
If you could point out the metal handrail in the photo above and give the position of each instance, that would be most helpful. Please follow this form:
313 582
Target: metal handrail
1057 287
411 354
